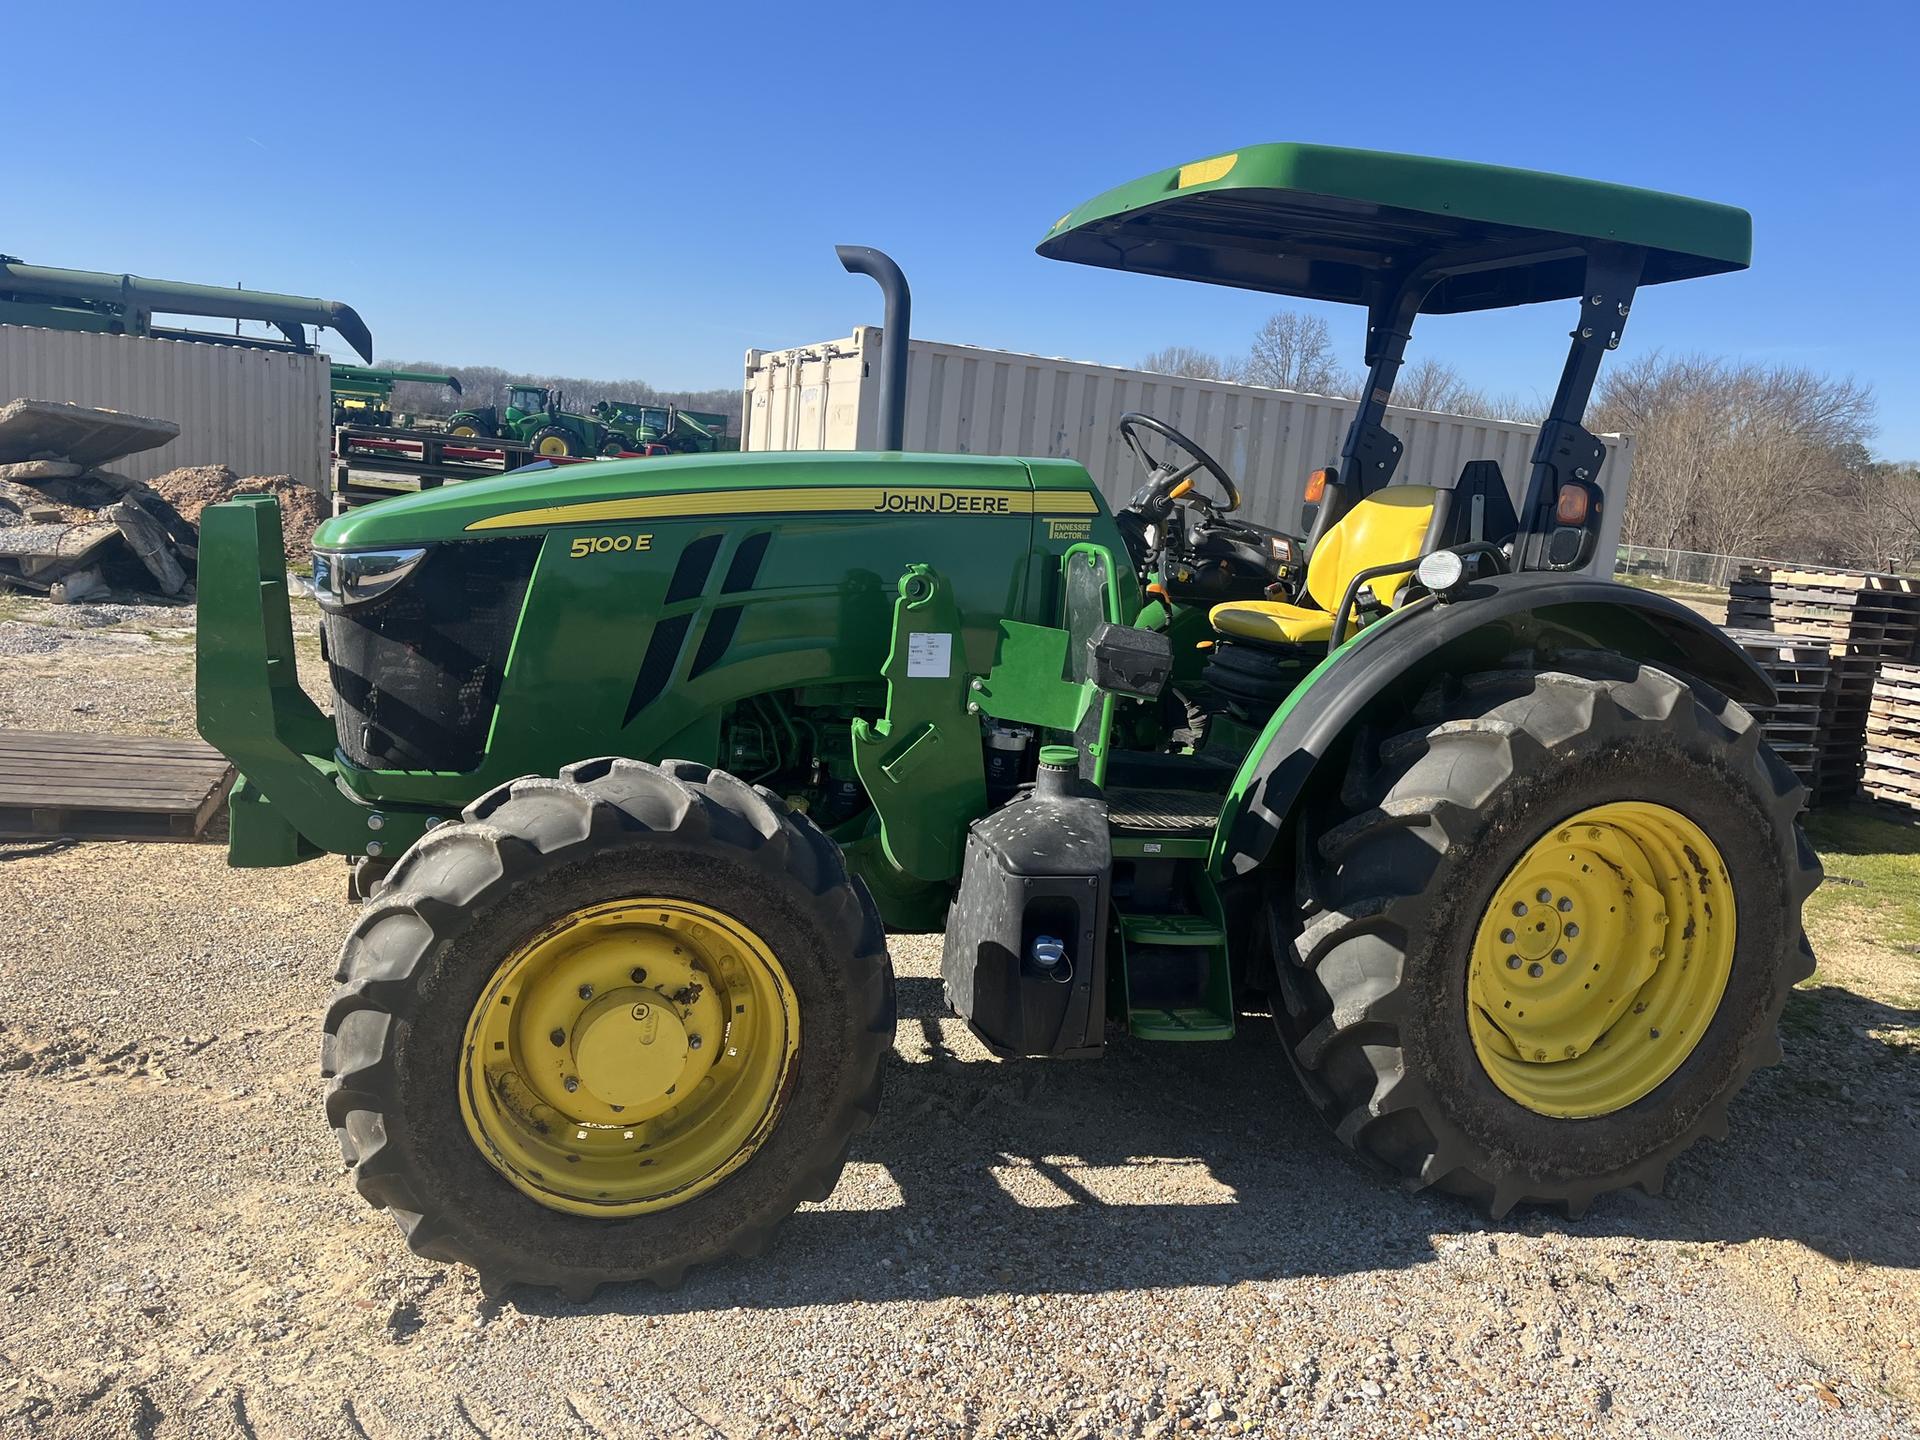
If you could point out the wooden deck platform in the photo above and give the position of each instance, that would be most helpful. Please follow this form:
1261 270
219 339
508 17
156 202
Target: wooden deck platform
108 787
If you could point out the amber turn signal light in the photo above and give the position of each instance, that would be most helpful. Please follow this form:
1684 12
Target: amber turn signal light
1572 507
1317 486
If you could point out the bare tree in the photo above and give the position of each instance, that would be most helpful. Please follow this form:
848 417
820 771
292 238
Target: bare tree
1295 352
1886 517
1192 364
1737 459
1433 384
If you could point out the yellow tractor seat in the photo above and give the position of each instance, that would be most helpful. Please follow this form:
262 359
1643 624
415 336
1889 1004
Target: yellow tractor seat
1388 526
1271 622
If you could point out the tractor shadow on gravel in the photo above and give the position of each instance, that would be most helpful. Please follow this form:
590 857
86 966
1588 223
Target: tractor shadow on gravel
1168 1165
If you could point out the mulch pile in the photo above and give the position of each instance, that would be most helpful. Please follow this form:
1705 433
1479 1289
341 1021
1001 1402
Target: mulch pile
191 489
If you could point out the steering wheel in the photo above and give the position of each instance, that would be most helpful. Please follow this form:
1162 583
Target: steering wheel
1164 483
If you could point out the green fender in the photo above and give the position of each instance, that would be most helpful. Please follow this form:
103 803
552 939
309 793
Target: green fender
1488 620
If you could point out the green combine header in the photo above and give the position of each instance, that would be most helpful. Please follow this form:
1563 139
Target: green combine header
364 396
110 304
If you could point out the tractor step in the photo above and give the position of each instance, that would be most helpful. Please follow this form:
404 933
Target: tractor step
1171 930
1162 811
1173 963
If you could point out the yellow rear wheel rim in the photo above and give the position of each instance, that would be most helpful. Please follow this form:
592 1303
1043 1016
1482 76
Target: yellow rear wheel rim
1601 959
629 1057
463 430
552 445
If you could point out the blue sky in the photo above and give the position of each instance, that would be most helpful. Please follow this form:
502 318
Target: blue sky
649 195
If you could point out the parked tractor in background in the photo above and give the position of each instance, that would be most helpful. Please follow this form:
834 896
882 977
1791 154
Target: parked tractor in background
536 416
363 396
637 759
647 429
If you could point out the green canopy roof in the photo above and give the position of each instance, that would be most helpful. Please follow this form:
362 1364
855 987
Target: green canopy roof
1334 224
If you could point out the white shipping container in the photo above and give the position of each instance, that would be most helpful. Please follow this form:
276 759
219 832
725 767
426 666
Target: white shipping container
258 412
962 399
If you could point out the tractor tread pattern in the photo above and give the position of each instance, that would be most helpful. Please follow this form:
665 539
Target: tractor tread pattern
425 901
1341 996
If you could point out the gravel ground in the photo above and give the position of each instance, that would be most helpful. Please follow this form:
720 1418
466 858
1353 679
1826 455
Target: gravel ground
114 669
1160 1243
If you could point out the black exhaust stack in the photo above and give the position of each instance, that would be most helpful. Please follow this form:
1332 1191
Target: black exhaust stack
865 260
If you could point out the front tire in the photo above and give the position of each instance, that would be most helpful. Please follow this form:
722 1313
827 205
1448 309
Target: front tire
487 1173
553 442
1399 989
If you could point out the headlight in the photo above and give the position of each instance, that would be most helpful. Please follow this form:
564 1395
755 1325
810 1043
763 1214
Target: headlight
353 577
1441 572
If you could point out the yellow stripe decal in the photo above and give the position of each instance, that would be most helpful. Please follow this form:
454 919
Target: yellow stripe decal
863 499
1201 171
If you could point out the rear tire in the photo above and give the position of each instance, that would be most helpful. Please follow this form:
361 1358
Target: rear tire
1398 871
554 441
524 858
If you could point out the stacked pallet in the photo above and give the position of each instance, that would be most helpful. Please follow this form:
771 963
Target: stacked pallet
1799 668
1893 737
1865 620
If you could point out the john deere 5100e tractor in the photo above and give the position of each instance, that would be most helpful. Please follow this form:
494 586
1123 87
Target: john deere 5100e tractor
639 758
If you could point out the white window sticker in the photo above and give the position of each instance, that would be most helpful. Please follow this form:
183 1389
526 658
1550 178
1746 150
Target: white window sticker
929 655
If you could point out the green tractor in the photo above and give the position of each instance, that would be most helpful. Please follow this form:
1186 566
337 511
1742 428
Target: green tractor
534 416
639 761
634 428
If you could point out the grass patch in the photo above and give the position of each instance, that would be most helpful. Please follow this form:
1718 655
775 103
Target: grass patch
1871 899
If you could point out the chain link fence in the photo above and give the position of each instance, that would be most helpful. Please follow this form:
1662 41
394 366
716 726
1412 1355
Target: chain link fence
1645 563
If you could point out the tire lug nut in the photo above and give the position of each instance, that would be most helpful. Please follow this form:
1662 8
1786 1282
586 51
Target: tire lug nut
586 992
1536 970
1513 962
572 1082
558 1037
1565 904
1543 895
639 976
1519 907
1572 931
1653 1034
1506 937
1559 957
694 1042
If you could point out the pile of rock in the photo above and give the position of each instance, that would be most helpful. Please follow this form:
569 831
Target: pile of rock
73 529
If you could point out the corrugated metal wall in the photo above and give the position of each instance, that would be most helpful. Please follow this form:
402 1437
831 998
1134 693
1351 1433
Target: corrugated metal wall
258 412
963 399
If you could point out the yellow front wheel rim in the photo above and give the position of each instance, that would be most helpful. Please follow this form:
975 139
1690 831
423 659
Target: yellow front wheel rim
1601 959
463 430
552 445
629 1057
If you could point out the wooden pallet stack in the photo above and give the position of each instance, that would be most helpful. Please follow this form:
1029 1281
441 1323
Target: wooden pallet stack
1799 669
1865 620
1893 737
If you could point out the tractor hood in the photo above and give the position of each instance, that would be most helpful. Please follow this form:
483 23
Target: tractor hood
685 486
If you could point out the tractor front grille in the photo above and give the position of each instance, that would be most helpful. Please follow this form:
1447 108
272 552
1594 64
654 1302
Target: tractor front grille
416 672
